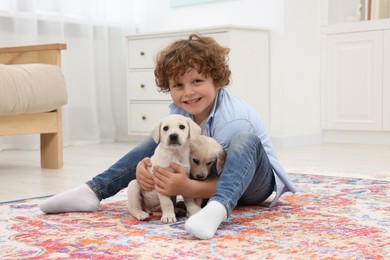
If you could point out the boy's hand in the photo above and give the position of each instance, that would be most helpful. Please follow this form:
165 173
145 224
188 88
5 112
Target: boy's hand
144 177
170 183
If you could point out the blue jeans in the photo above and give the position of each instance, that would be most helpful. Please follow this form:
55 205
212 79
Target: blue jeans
247 178
119 175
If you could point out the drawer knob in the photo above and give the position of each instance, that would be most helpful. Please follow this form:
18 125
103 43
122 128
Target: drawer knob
142 53
143 117
142 85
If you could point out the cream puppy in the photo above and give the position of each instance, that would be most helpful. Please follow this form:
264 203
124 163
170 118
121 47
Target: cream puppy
174 134
205 154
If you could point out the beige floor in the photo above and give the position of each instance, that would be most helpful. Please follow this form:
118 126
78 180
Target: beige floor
21 177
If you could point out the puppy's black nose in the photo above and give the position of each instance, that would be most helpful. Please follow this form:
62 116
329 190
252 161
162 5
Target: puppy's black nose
174 138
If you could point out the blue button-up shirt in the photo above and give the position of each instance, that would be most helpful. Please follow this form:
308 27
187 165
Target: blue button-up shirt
230 116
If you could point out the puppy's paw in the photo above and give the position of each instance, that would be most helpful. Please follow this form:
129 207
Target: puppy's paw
168 219
142 215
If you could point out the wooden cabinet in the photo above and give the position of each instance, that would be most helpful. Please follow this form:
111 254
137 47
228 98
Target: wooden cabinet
355 74
353 81
248 60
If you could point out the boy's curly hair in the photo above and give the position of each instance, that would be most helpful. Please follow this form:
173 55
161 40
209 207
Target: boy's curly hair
197 52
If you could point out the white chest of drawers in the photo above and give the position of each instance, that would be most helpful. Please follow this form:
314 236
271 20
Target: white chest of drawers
248 61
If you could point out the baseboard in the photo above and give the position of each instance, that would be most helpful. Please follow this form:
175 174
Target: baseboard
133 138
356 137
300 140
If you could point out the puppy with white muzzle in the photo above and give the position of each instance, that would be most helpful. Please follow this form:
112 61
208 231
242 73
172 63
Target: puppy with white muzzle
174 134
205 155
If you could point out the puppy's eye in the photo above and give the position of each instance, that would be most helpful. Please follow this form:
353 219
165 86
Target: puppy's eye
182 127
196 161
209 163
165 128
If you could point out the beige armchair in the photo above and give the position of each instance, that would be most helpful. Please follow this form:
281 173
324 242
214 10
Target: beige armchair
46 123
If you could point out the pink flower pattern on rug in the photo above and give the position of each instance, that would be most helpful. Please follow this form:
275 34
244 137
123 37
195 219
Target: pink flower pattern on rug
330 218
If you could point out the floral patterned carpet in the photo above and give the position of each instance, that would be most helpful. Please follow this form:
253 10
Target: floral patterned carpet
330 218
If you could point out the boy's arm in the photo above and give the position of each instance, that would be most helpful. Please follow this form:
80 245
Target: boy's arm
144 177
200 189
177 183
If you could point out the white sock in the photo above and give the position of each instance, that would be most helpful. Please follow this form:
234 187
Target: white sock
81 198
205 223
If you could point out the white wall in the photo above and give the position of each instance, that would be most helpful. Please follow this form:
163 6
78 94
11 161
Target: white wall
156 15
295 75
295 55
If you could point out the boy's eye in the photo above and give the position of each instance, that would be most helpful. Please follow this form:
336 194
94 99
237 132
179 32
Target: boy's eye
197 81
177 85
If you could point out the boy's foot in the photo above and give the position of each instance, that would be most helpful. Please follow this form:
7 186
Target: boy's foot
81 198
205 223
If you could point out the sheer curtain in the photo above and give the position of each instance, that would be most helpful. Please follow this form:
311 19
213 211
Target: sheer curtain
94 63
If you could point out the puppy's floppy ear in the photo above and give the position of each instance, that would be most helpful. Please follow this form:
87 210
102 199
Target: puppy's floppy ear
194 129
193 146
221 157
156 132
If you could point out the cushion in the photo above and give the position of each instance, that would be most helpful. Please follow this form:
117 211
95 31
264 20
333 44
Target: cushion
31 88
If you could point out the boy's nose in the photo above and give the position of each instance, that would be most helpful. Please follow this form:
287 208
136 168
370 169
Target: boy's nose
188 90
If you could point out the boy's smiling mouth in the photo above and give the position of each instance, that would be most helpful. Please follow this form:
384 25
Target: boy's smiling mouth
192 101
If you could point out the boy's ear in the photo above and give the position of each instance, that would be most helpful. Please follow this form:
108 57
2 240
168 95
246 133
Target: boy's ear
218 87
156 132
194 129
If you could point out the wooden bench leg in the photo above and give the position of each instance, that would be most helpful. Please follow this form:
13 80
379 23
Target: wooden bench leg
51 151
51 147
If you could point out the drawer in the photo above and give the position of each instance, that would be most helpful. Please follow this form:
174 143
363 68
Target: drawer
141 86
142 52
144 116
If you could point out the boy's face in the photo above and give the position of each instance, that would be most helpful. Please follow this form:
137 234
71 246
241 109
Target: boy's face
194 93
